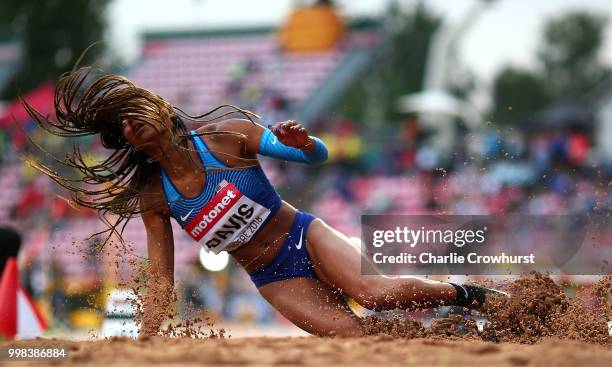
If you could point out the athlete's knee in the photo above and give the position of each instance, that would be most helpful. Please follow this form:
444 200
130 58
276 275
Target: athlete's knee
370 292
346 328
353 330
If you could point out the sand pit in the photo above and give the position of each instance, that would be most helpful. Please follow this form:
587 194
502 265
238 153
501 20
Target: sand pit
379 350
538 326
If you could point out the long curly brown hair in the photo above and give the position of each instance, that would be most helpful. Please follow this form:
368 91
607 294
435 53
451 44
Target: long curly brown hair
89 105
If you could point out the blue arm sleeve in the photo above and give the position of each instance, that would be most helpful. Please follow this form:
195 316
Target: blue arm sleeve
269 145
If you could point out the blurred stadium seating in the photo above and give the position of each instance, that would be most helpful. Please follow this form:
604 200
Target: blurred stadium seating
197 71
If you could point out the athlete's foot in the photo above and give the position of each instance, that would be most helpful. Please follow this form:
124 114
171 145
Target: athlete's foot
473 295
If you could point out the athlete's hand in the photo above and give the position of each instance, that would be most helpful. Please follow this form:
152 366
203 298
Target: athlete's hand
292 134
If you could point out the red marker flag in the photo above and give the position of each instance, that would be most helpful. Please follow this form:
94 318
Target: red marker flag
18 315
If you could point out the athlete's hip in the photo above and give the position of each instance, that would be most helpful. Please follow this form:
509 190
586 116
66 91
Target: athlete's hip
292 260
264 246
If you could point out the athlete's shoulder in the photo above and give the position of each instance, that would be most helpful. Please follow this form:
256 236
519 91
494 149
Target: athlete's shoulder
241 132
234 125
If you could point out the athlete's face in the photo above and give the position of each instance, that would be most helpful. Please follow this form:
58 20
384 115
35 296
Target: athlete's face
141 133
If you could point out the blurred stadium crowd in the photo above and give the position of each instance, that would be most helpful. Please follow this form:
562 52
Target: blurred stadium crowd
549 166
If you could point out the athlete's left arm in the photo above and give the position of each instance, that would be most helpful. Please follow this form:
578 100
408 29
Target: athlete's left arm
287 140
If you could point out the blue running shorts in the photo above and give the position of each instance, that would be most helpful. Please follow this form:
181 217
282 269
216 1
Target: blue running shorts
292 260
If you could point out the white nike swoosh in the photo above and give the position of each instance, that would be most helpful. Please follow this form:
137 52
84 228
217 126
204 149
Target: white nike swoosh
187 216
274 141
299 245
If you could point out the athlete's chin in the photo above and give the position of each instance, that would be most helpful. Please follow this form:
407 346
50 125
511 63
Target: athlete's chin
145 139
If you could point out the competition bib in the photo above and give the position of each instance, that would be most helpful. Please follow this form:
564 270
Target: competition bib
227 221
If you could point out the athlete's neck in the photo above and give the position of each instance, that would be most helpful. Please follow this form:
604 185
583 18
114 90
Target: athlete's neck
176 161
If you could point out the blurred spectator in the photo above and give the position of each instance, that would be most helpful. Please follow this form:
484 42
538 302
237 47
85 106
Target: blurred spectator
31 201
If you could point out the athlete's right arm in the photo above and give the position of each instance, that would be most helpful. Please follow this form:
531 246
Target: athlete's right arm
160 270
285 140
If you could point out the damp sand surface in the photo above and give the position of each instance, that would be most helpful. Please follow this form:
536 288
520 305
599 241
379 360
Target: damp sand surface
372 350
538 326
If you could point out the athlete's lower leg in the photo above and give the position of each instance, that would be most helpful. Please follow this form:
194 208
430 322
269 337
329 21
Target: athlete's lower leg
382 293
385 293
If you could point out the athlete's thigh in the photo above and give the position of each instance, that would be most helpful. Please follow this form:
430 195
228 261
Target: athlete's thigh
312 306
337 260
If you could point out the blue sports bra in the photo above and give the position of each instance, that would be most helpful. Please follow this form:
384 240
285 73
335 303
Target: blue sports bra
235 203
